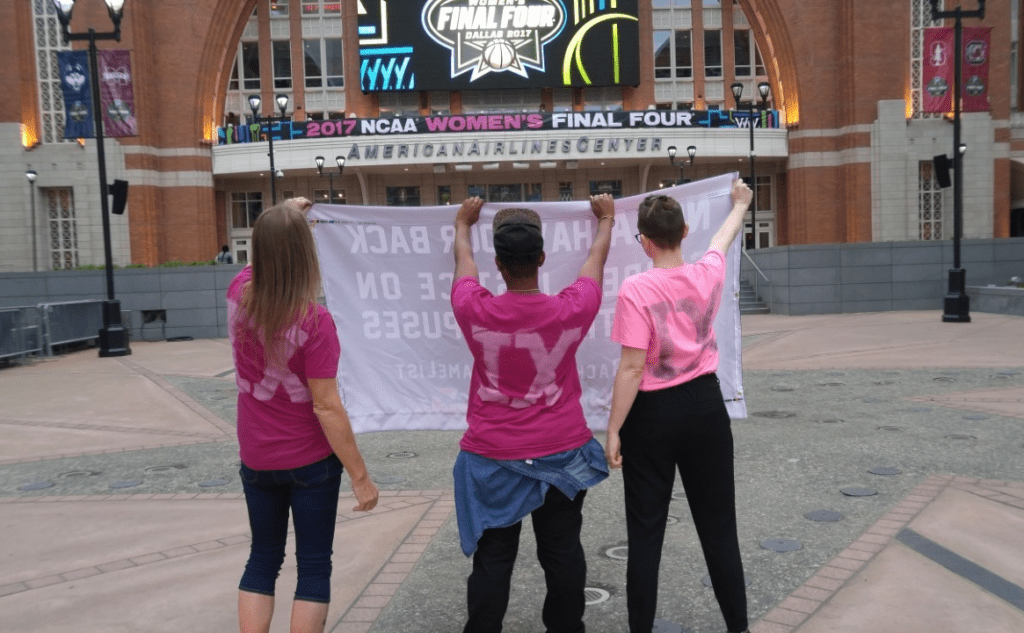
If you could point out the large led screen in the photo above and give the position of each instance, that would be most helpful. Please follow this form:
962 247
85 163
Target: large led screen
488 44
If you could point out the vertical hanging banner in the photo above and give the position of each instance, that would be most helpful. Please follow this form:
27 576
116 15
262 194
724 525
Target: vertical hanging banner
977 42
74 84
117 98
937 70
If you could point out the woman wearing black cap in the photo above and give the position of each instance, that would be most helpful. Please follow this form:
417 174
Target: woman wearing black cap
528 449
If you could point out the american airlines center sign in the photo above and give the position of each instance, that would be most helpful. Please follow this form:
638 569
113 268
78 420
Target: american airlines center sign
491 44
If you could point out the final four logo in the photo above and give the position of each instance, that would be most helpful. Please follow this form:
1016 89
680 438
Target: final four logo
486 36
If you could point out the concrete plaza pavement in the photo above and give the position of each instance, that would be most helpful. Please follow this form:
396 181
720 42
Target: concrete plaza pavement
121 508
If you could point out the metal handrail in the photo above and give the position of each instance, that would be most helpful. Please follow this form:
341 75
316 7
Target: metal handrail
766 280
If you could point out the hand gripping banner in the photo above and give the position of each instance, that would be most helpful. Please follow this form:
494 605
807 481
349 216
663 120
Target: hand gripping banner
387 275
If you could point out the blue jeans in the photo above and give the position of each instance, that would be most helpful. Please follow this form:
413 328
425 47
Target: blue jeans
311 492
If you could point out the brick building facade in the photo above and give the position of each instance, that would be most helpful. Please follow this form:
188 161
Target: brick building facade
849 163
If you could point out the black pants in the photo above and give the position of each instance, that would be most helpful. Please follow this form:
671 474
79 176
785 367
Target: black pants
556 525
685 427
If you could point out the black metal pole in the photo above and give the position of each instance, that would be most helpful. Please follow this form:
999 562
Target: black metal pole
753 178
273 172
113 338
35 229
330 185
957 305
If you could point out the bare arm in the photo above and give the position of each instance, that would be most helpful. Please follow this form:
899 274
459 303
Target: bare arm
741 197
334 420
467 216
603 207
627 384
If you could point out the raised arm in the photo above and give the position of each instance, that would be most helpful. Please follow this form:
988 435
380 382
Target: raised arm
603 207
466 217
741 197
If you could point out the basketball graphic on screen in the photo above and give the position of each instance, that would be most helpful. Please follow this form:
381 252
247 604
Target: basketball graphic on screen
499 54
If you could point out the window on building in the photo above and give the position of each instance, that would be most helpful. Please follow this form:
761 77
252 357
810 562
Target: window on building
515 192
742 51
51 100
764 193
920 19
399 103
440 103
282 54
929 205
403 196
444 194
60 203
673 54
712 53
246 206
565 191
561 99
614 187
278 8
605 98
484 101
250 65
316 7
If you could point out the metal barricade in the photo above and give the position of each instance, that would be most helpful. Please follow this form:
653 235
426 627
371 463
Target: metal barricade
20 332
70 322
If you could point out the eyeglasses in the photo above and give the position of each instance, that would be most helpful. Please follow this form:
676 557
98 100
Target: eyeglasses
637 236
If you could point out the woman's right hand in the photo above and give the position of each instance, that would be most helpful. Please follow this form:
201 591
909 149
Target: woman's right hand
366 494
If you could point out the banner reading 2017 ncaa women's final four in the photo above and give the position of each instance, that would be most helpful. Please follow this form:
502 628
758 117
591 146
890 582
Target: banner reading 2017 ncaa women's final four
387 274
497 44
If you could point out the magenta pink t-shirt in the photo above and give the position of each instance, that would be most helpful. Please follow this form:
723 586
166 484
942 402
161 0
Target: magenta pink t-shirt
670 312
277 429
524 395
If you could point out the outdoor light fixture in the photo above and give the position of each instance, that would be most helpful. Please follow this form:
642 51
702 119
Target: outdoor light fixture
113 337
282 104
463 167
691 151
763 89
963 148
340 160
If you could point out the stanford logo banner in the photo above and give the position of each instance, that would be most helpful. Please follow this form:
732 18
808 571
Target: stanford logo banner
387 274
937 72
117 99
74 83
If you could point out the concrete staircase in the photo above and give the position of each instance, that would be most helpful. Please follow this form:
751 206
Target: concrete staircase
750 303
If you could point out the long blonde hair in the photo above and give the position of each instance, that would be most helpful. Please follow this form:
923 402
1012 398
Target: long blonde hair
285 279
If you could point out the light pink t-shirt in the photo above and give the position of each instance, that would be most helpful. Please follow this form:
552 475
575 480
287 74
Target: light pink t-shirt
524 395
670 313
277 429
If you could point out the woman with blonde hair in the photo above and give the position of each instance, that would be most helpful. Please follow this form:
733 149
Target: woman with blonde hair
294 435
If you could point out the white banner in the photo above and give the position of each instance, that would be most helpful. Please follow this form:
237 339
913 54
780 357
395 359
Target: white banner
387 274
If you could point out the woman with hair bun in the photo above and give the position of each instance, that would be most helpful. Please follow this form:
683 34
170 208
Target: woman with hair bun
294 435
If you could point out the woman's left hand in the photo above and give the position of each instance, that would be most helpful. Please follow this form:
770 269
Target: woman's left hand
611 451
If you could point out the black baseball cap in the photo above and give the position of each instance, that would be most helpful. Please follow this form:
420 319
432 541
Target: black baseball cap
518 240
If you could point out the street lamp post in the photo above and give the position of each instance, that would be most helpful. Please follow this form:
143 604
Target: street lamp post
737 92
282 104
957 305
31 175
113 337
691 151
340 160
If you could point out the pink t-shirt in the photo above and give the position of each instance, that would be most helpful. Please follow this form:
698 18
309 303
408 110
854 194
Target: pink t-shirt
670 313
524 395
277 429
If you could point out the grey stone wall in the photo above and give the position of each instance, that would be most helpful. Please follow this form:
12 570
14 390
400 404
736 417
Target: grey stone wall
193 297
876 277
997 300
